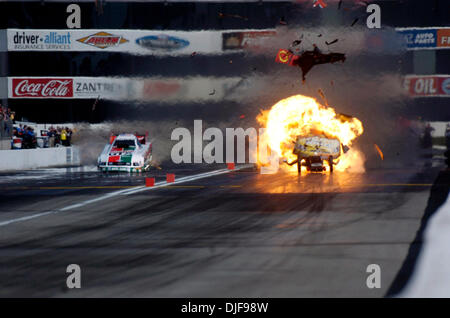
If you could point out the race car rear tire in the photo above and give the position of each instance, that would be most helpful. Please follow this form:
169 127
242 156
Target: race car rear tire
330 162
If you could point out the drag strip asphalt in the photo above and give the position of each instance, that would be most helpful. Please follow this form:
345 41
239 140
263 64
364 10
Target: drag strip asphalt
132 190
215 233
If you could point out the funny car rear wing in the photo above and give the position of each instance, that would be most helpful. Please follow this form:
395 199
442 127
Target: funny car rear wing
141 137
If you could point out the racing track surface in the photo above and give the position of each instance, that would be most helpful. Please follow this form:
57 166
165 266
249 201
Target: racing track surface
238 234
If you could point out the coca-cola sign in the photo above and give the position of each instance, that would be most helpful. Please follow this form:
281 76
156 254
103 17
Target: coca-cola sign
42 88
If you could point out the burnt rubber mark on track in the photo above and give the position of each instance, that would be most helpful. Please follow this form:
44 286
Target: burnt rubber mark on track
438 196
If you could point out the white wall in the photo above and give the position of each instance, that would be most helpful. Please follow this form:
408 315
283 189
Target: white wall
439 127
24 159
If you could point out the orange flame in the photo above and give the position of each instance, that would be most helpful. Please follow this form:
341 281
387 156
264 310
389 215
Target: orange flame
302 115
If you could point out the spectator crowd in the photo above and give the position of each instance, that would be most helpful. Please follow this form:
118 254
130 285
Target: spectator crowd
27 136
59 136
24 137
53 137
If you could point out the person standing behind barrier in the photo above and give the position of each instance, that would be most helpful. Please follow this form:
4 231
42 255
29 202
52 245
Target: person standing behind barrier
12 116
68 136
58 136
2 124
51 137
64 137
8 132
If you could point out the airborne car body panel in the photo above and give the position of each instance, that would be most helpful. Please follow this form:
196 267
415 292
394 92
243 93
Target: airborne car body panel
126 152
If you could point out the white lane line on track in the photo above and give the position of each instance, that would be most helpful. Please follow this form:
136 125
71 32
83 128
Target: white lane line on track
177 181
124 192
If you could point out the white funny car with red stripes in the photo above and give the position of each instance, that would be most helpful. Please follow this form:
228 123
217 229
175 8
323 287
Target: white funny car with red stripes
126 152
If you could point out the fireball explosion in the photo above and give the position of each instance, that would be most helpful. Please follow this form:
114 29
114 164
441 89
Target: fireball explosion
300 115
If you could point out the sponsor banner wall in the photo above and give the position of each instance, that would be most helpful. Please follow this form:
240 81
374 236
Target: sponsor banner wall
194 89
154 89
443 36
154 42
427 85
249 40
426 38
67 87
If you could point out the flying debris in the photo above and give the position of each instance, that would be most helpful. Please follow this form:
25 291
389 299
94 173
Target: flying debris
323 96
332 42
213 92
364 2
379 151
307 59
354 22
222 15
95 103
319 3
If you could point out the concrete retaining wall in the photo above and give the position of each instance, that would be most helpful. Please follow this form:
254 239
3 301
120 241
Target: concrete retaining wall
5 143
25 159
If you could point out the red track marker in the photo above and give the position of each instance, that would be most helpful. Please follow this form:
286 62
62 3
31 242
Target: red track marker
230 166
149 182
170 177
